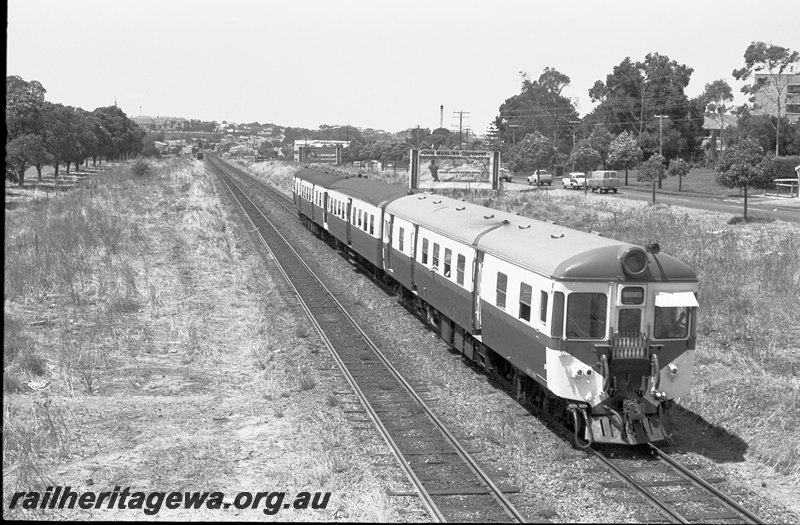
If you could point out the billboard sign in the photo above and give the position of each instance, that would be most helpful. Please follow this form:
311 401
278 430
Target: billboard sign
444 169
320 154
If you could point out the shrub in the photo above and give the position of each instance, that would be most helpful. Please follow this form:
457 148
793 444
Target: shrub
141 167
784 166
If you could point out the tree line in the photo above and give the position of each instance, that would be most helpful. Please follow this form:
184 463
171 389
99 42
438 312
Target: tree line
40 133
642 111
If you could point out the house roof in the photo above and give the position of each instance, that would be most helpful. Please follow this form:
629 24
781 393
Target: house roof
712 121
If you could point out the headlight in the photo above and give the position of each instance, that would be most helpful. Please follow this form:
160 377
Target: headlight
633 261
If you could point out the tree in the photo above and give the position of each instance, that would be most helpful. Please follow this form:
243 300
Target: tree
24 101
541 107
743 165
624 152
635 92
772 66
715 99
535 151
24 152
600 140
652 170
584 157
680 168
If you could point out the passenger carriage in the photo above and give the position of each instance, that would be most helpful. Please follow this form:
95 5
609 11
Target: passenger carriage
310 195
355 212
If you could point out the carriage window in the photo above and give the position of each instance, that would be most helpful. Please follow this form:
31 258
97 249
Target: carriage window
543 306
671 323
586 315
525 297
502 283
424 251
460 263
401 238
372 225
630 320
448 260
435 258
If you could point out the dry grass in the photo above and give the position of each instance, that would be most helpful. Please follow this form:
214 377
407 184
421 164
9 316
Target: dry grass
146 345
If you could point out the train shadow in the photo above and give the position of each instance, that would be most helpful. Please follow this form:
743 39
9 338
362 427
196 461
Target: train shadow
692 433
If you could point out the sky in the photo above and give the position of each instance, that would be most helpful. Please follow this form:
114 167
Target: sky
378 64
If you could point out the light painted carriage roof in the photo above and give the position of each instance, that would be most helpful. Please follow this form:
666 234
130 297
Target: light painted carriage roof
372 191
322 178
543 247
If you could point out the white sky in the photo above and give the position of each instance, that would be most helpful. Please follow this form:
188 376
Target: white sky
382 64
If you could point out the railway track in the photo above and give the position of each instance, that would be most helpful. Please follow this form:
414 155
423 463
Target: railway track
674 491
443 473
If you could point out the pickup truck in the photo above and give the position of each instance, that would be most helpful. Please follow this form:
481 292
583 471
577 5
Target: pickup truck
540 177
574 180
603 181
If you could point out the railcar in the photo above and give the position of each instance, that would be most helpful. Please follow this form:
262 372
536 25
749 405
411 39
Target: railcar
584 326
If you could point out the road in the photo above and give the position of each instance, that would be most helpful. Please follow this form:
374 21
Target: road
757 205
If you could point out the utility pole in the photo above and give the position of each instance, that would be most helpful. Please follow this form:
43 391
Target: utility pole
460 124
660 148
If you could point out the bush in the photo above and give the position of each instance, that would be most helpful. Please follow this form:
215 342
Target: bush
141 167
784 166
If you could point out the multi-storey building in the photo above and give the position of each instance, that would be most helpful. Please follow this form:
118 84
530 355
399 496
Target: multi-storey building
778 90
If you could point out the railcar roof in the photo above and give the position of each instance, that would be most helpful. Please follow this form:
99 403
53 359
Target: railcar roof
323 178
543 247
374 192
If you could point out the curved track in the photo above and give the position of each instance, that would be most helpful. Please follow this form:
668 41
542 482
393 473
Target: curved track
447 479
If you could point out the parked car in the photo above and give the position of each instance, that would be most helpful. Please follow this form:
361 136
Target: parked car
540 177
505 175
603 181
574 180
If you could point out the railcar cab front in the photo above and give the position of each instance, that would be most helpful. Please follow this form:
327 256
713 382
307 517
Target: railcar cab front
635 333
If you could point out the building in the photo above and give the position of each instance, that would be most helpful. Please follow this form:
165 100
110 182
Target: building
145 122
766 100
715 126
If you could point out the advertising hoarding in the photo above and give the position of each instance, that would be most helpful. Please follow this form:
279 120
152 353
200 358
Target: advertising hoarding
445 169
320 154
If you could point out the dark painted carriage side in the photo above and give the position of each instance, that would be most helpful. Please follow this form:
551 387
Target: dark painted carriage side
440 224
312 203
369 197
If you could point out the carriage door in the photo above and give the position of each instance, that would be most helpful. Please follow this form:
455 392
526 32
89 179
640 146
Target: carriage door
325 210
477 272
388 222
349 220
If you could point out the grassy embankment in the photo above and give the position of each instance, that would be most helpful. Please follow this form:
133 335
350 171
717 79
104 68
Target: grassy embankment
146 346
748 360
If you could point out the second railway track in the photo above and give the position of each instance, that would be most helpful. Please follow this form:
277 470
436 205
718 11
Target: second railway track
448 480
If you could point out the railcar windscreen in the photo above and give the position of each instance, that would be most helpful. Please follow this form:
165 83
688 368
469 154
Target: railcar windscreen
671 322
586 315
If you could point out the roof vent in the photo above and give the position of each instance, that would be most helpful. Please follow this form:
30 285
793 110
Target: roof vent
488 216
556 235
421 197
437 201
551 221
461 208
599 234
524 226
